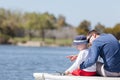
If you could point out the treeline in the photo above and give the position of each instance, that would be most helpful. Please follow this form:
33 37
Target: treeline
85 26
16 24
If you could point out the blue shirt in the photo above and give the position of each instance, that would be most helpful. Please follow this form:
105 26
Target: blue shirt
108 47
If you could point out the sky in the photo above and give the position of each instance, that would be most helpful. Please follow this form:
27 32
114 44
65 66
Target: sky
106 12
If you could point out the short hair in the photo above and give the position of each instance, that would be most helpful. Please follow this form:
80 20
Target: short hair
93 32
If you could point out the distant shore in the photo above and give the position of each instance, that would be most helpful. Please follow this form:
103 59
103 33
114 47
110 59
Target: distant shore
35 44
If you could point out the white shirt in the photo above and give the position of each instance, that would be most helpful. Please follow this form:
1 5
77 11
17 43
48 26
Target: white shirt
82 57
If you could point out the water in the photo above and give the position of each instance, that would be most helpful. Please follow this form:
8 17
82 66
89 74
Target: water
19 63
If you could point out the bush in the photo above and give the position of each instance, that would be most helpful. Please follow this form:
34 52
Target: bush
4 39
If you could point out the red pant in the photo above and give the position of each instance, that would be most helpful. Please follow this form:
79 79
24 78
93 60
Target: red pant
79 72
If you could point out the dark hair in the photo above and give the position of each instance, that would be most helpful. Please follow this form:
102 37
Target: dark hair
89 34
93 32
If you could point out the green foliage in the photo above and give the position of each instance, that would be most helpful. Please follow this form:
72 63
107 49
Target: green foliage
81 31
100 28
4 39
116 31
61 22
84 27
108 30
34 21
16 24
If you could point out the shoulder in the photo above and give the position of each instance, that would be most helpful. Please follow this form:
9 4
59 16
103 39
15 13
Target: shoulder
84 52
106 36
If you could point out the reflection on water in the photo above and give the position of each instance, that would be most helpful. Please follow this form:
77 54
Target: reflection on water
19 63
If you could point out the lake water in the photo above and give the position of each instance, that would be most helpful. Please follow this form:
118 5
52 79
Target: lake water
19 63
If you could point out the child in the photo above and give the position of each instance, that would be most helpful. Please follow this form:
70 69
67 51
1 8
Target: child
81 44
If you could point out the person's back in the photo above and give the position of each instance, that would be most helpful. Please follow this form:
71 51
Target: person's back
110 51
106 46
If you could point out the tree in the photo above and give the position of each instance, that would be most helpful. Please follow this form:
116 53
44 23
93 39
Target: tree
116 31
30 22
100 28
10 23
61 21
46 21
39 22
83 27
108 30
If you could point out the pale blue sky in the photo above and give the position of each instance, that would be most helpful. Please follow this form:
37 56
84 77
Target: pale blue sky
107 12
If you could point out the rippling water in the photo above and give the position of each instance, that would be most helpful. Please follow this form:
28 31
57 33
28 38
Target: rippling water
19 63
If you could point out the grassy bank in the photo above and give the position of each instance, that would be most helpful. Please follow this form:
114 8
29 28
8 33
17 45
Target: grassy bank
47 41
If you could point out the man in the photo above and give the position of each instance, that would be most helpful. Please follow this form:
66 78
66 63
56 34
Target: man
106 46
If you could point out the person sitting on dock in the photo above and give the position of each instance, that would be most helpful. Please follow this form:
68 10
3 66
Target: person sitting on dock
80 42
106 46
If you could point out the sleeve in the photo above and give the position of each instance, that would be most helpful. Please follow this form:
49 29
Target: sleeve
92 57
78 61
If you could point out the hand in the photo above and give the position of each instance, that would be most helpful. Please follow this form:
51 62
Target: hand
67 72
72 57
